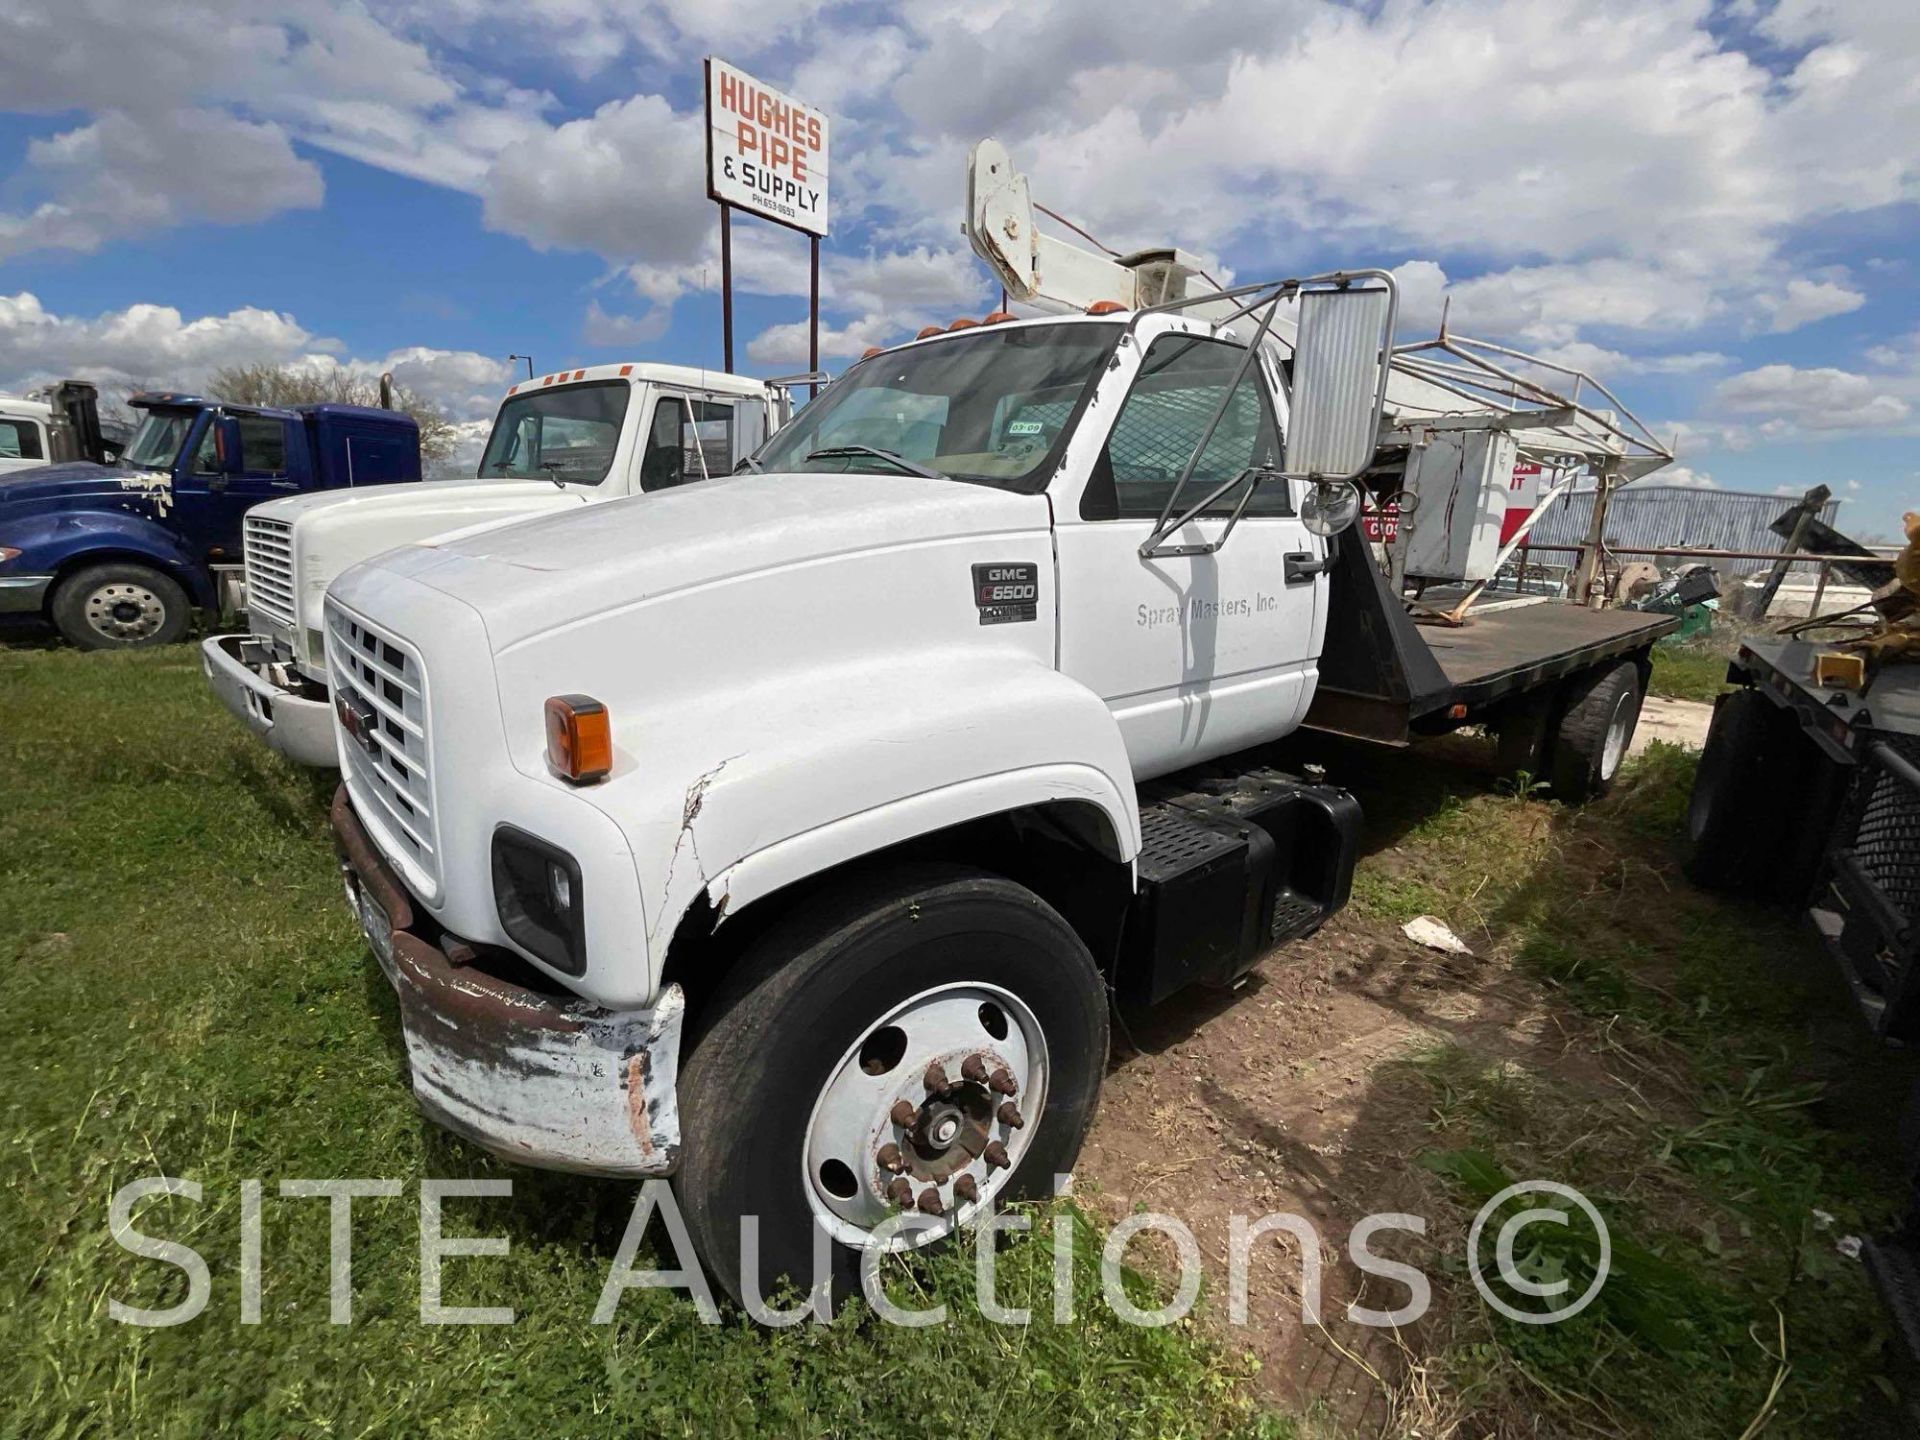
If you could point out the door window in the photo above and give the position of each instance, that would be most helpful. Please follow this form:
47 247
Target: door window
20 440
263 447
689 440
1179 387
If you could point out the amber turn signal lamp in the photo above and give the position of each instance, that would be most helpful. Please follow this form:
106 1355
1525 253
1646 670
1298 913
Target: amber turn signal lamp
579 739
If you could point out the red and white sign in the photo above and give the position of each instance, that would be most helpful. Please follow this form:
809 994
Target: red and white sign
1523 493
766 152
1382 526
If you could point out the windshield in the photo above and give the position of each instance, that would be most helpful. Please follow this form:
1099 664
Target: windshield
159 438
568 434
987 405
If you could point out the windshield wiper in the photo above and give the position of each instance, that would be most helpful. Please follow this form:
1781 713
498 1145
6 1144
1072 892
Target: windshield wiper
847 452
553 468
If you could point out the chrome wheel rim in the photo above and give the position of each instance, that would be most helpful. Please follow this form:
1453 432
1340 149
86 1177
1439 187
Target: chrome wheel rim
930 1110
1615 749
124 611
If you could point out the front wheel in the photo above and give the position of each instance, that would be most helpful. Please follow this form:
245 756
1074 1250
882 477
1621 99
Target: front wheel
120 607
931 1039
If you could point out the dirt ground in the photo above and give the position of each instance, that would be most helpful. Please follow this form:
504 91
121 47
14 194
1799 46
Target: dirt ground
1678 722
1285 1096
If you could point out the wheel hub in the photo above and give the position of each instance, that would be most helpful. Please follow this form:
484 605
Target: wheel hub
924 1113
125 611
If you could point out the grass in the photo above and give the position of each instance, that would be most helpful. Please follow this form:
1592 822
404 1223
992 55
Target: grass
189 998
1688 670
1699 1078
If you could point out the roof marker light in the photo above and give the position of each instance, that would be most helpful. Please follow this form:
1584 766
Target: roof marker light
1105 307
626 370
927 330
998 317
965 322
870 352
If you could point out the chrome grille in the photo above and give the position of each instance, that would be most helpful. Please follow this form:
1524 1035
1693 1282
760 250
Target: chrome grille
390 767
269 557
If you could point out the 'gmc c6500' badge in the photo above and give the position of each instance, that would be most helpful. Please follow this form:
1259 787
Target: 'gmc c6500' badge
1006 593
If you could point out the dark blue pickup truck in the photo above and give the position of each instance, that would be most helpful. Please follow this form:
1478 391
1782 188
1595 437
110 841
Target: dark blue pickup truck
119 555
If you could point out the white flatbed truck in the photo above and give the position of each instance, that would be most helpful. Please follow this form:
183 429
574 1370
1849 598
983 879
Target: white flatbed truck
792 834
565 440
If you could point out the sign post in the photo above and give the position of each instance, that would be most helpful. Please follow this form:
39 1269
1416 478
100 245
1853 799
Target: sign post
766 155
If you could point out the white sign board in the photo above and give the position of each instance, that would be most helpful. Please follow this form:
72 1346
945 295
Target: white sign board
766 152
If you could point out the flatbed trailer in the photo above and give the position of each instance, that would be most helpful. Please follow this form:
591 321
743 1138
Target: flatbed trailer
1520 667
1810 793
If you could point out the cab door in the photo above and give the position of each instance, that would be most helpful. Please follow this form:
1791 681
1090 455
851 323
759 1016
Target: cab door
1196 655
212 505
690 438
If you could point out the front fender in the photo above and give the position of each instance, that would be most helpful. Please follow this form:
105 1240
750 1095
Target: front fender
49 544
732 799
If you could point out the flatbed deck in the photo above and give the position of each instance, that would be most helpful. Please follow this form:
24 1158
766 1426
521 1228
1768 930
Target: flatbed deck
1385 677
1507 648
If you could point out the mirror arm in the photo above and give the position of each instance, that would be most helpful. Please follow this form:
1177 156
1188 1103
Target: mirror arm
1219 413
1154 546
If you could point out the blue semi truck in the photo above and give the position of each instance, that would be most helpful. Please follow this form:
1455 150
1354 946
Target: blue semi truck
119 555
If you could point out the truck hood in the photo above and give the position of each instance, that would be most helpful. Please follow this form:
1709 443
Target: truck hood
334 530
56 487
546 574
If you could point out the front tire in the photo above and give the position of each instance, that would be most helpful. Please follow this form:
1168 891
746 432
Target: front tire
120 607
791 1099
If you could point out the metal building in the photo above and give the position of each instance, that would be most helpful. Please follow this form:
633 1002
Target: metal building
1664 515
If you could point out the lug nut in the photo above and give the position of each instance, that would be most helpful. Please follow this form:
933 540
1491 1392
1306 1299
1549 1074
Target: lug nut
1001 1082
930 1202
996 1155
900 1192
936 1078
889 1158
904 1113
1009 1114
975 1069
967 1188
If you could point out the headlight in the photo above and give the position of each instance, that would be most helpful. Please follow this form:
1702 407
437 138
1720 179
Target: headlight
537 894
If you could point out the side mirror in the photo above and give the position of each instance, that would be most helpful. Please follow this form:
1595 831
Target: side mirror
1342 354
1330 507
228 456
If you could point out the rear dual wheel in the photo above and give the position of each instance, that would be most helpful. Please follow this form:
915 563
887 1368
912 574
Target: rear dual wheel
931 1039
1595 731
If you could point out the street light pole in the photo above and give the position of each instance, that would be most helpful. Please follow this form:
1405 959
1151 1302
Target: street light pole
528 359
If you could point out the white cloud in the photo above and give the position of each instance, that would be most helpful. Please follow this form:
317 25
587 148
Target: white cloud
155 345
626 182
122 175
1684 475
785 346
601 328
1802 302
1788 398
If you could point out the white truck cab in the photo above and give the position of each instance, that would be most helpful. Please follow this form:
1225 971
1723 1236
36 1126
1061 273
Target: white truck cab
563 441
25 433
792 834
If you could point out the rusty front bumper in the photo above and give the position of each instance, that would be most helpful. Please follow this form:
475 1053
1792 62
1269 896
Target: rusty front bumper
543 1079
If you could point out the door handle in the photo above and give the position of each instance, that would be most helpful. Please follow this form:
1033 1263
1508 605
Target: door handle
1300 567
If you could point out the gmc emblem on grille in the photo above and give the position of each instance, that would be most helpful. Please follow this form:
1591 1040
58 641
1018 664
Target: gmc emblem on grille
358 720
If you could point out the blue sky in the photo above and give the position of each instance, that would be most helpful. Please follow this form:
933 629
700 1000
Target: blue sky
1712 205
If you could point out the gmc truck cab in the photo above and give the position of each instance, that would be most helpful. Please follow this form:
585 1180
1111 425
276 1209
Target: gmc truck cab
563 442
887 759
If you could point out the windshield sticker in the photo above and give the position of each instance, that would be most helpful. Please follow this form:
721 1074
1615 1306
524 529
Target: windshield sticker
1006 594
1026 427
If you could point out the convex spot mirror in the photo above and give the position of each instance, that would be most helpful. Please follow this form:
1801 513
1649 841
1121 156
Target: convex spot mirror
1343 348
1330 506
